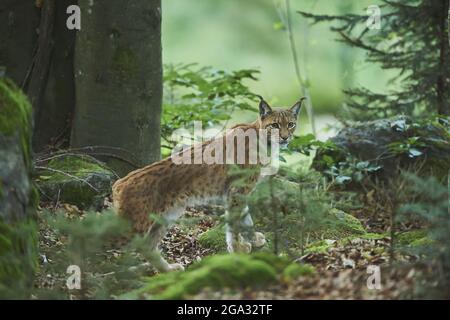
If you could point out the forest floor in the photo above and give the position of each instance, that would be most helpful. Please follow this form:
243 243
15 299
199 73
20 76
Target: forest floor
341 270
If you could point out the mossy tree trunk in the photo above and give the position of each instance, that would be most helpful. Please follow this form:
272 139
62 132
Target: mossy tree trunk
18 197
118 79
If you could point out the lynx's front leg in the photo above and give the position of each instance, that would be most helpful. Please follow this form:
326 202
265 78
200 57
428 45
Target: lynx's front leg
154 236
240 233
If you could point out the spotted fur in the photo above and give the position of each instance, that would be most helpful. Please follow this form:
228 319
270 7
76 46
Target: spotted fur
166 188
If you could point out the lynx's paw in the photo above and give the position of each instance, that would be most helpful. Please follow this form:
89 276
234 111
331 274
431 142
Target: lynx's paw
175 267
259 240
243 245
239 245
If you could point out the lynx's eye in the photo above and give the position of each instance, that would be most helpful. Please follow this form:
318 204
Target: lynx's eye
291 125
275 126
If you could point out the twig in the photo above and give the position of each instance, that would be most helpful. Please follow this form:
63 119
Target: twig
286 18
79 155
67 174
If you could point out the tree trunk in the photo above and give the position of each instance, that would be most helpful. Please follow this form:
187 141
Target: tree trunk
19 20
54 119
443 80
118 79
37 50
36 78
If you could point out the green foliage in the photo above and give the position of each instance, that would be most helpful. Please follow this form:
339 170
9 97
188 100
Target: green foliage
412 40
427 141
292 213
414 238
424 143
110 259
18 259
203 94
337 164
429 202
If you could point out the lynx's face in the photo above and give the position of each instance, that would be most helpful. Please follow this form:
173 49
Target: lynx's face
283 120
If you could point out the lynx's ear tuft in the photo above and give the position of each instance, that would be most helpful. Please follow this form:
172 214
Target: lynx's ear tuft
264 108
295 109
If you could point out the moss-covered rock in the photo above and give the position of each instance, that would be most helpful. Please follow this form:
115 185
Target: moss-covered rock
75 179
214 239
344 225
218 272
18 232
378 147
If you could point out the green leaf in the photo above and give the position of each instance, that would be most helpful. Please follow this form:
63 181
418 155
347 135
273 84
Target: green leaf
413 152
279 26
343 179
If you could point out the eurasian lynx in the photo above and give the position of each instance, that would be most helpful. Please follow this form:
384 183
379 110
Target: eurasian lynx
166 187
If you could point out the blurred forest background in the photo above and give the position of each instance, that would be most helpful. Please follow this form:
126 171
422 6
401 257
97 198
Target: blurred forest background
232 35
358 210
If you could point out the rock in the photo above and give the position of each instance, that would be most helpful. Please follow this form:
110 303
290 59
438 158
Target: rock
18 197
384 144
348 263
75 179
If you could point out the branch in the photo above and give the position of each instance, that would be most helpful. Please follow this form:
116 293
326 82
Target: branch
68 175
359 44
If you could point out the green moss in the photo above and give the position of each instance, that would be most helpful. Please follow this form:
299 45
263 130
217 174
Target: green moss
78 180
214 239
348 222
322 246
15 115
216 272
125 62
34 196
295 270
421 242
373 236
341 225
18 240
18 259
75 166
318 247
414 238
279 263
